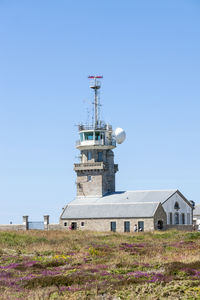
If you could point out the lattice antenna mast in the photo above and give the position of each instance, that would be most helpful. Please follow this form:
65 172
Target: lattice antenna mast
95 84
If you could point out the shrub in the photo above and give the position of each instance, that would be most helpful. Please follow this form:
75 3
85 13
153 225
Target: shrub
192 235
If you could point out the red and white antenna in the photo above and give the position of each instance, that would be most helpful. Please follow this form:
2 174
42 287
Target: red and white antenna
95 84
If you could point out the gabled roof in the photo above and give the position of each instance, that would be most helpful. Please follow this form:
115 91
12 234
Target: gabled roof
119 205
128 204
127 197
114 210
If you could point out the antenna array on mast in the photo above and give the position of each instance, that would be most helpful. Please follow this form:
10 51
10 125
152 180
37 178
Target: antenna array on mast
95 84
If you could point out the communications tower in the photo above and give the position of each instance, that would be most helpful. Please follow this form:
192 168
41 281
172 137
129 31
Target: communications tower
96 170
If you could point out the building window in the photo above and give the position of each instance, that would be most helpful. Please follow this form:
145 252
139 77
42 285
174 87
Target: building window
88 136
176 218
170 218
183 218
126 226
176 206
100 156
89 155
81 137
82 224
140 226
113 226
97 136
65 223
188 218
89 178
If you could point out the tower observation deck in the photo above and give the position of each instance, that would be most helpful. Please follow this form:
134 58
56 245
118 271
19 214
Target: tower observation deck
96 170
97 134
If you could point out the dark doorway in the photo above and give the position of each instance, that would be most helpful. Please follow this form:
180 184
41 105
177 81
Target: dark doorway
74 226
160 225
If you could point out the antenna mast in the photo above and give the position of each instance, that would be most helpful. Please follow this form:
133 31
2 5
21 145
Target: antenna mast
95 85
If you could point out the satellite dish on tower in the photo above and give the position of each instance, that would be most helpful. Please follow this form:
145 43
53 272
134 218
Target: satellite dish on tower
120 135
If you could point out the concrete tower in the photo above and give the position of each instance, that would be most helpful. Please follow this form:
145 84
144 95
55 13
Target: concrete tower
96 170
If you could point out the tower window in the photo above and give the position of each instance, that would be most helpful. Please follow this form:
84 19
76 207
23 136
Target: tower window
97 136
88 136
81 137
89 155
89 178
100 156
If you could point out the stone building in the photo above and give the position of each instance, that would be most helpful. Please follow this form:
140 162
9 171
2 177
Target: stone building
98 206
119 211
196 216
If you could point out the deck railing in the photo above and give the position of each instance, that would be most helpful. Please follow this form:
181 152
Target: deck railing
96 142
102 126
84 166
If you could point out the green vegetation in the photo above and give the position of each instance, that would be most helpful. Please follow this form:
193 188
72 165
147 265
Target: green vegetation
17 239
91 265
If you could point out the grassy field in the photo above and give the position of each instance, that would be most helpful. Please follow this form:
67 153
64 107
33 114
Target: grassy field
90 265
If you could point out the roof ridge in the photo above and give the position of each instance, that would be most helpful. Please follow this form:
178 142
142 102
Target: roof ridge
170 190
121 203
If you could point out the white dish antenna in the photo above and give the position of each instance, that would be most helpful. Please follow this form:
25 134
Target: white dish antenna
120 135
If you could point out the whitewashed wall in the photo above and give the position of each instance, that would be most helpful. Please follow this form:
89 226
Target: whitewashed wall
184 208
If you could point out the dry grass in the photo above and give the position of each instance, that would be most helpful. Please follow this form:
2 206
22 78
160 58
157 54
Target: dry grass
91 265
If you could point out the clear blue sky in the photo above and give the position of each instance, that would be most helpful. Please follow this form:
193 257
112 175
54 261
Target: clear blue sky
149 54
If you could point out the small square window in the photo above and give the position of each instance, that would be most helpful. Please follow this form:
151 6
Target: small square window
82 224
89 178
65 223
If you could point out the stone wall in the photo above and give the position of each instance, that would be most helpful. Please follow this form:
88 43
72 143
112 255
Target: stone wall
180 227
108 180
11 227
150 224
91 188
104 224
55 227
102 177
160 215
